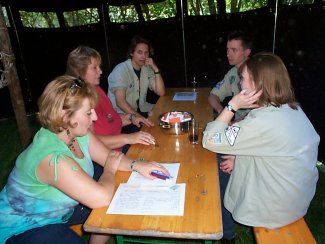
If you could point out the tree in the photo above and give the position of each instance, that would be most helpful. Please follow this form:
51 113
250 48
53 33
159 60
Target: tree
14 84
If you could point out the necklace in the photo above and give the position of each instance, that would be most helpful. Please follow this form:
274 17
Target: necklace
71 144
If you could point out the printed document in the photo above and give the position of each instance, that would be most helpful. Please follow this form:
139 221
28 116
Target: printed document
141 196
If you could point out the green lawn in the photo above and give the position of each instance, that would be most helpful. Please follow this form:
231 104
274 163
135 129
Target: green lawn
10 148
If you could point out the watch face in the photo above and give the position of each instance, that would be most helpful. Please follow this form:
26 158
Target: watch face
229 107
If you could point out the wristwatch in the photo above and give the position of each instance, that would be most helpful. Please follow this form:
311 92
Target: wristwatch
230 108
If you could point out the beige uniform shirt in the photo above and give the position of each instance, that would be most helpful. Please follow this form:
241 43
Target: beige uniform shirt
274 176
229 87
124 77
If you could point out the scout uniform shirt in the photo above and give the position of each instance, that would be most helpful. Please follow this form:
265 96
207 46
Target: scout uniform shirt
230 86
274 176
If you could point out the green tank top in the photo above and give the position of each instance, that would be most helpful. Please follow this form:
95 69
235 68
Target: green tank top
25 201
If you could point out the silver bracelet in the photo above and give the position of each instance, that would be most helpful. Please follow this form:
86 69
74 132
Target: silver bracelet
132 166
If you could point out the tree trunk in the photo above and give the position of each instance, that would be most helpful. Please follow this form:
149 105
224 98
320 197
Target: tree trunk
212 7
14 85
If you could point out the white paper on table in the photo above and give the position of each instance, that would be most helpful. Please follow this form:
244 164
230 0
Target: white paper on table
148 200
137 179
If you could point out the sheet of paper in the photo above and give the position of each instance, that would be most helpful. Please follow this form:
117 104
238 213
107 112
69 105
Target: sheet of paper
148 200
185 96
137 179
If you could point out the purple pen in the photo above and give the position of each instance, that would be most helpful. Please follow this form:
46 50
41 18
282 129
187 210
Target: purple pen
160 175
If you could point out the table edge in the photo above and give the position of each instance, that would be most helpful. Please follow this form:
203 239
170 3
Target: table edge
155 233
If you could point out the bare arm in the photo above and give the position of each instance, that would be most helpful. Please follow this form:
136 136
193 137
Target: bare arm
215 103
118 141
76 183
143 167
159 85
120 97
136 120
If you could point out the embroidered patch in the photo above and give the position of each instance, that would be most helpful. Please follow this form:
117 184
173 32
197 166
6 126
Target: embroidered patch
219 84
232 79
231 134
215 139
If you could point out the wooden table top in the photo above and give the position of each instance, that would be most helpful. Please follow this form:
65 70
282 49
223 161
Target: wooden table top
198 169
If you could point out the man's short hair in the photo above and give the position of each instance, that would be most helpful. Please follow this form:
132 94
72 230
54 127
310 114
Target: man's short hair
247 42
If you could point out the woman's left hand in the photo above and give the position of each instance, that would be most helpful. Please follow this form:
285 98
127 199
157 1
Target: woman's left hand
145 168
227 164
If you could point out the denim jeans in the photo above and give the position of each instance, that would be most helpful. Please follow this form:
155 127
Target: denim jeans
54 233
228 222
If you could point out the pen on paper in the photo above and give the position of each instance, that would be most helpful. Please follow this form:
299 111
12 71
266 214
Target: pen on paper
160 175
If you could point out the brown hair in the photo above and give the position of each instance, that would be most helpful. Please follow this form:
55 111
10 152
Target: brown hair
63 94
79 59
245 39
135 41
270 75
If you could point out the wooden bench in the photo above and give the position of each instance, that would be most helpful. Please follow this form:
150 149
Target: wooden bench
78 229
295 233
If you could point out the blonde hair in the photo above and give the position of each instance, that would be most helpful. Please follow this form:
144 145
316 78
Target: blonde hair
79 59
62 97
270 75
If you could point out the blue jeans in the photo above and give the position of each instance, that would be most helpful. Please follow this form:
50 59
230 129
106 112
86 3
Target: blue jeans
228 222
54 233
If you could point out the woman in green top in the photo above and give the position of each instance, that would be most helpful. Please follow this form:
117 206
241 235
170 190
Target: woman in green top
55 172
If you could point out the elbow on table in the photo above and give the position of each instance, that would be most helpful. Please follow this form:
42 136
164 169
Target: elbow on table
100 202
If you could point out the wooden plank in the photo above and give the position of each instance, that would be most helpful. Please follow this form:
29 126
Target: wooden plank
295 233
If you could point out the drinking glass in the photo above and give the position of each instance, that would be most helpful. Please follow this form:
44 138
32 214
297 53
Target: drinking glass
194 84
193 132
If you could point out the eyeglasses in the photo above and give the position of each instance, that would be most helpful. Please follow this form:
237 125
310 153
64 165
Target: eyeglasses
77 83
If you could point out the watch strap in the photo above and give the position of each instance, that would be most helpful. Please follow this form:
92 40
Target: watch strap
230 108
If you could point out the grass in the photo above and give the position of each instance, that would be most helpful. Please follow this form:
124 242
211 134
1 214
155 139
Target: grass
10 149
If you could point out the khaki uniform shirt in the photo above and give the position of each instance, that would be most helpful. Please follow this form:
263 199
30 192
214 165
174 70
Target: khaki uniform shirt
274 176
123 77
230 86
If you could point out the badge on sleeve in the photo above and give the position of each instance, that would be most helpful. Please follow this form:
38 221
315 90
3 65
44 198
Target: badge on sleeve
231 134
215 139
219 84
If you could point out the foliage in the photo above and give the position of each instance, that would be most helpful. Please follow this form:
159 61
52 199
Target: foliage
296 2
39 19
81 17
161 10
150 11
123 13
241 5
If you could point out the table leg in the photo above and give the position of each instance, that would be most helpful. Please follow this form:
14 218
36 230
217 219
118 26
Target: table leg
120 239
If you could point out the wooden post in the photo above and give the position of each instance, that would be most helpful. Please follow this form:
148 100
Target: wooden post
14 84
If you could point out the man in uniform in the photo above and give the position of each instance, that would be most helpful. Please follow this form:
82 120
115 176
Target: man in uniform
238 50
